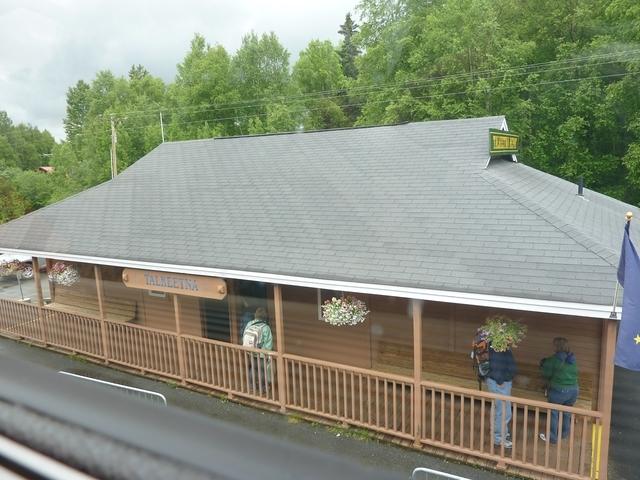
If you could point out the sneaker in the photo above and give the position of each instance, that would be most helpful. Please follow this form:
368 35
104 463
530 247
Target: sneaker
506 443
543 437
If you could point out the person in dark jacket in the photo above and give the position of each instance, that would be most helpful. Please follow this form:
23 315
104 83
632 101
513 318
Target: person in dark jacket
499 380
561 372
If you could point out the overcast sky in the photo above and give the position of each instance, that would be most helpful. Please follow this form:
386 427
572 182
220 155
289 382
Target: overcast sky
47 46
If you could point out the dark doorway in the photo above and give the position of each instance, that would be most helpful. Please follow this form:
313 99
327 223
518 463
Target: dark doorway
251 296
215 318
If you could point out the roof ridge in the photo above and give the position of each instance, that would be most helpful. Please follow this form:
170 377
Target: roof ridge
603 252
336 129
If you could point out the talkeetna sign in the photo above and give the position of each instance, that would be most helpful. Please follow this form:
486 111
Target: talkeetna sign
192 285
503 143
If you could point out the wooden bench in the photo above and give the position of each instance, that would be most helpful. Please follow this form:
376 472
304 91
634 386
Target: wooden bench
80 303
454 368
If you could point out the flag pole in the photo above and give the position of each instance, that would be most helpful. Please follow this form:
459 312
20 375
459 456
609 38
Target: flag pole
614 315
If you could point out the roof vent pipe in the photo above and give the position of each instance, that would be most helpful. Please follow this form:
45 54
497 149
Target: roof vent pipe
580 186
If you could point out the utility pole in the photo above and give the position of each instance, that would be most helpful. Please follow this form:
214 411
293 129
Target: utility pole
114 141
161 127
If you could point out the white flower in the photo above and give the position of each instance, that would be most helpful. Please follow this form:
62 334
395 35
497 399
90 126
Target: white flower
344 311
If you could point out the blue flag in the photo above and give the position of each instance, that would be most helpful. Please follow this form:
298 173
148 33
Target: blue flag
628 347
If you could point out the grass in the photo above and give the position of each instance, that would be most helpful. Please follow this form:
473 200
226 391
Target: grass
295 419
173 385
357 433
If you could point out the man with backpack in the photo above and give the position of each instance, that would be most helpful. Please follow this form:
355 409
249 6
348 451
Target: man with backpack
257 334
502 369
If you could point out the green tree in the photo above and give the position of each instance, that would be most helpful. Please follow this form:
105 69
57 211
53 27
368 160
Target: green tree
78 98
8 157
203 83
13 205
261 67
260 71
349 51
34 187
318 74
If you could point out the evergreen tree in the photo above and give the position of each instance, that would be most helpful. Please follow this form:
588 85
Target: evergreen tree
349 51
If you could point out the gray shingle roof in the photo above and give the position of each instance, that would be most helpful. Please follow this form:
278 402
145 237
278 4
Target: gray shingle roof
406 205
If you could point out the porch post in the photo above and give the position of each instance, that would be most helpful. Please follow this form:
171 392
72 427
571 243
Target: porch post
417 370
233 311
103 314
282 387
605 390
52 286
181 363
36 278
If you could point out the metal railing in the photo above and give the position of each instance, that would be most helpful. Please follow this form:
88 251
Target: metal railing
430 474
147 395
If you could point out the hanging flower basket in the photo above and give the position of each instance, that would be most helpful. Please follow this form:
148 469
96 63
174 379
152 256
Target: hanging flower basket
503 333
344 311
64 274
17 268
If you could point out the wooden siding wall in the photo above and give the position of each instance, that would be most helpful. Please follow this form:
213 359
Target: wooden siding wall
86 286
451 328
584 335
306 335
150 311
391 324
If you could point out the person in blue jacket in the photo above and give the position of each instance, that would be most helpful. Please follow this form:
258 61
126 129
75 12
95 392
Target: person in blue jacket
500 380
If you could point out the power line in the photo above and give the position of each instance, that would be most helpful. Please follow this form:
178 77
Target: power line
416 97
359 90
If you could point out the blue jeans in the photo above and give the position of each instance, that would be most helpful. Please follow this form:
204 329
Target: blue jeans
500 406
259 374
561 396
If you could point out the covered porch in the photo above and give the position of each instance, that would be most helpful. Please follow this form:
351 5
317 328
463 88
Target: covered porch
405 372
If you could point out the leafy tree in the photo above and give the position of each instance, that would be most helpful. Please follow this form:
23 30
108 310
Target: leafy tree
13 205
34 187
78 98
5 123
625 15
8 157
318 74
261 67
260 71
203 81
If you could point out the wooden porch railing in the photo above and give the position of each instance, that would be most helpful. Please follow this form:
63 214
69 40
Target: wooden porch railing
73 332
451 418
19 319
243 371
141 347
356 396
461 420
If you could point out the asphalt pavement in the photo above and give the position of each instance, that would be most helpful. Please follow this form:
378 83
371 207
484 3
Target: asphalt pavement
25 290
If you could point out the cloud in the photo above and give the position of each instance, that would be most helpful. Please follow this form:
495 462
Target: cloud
56 43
